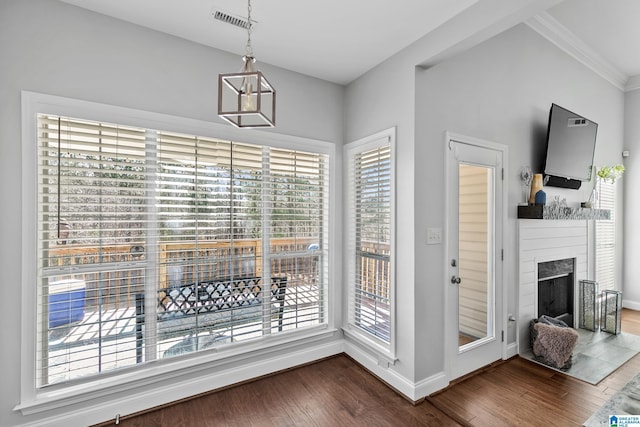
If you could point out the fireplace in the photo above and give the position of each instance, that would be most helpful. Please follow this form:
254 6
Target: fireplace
542 241
556 289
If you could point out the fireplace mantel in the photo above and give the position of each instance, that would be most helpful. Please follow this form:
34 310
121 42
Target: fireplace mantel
553 211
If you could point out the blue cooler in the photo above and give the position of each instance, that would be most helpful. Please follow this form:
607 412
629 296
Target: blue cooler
66 302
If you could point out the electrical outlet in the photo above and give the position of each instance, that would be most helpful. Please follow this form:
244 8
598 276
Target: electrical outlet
434 236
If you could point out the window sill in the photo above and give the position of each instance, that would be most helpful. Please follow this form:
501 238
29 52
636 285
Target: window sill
164 370
382 353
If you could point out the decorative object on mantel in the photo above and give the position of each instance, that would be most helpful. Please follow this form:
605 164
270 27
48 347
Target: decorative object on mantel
246 99
611 311
607 174
530 211
536 185
541 198
526 176
558 209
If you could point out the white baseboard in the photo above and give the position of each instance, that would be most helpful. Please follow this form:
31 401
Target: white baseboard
512 350
384 371
430 385
176 390
632 305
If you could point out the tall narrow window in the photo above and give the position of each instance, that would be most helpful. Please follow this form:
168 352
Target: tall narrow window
153 244
606 236
371 237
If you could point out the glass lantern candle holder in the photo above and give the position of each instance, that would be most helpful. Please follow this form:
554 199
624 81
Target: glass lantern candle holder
611 317
589 305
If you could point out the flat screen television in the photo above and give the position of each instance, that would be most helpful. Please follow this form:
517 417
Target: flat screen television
571 144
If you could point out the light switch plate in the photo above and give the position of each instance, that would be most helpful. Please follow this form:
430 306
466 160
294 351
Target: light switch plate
434 236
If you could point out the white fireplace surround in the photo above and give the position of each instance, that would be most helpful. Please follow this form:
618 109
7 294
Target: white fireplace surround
543 241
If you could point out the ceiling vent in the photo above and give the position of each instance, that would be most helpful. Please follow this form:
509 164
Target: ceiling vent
231 19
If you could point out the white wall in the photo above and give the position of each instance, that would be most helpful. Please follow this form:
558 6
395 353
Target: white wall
501 91
50 47
384 97
631 179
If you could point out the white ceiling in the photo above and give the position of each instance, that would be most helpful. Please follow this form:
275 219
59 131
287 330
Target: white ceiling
339 40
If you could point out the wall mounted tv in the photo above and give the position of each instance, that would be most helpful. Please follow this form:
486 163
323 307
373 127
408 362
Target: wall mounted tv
571 143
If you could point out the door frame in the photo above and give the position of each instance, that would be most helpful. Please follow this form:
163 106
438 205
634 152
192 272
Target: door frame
451 331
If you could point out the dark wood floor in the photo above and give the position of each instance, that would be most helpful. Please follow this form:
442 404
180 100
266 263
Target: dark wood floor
338 392
520 392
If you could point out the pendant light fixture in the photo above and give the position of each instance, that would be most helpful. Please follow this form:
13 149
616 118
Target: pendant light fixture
246 99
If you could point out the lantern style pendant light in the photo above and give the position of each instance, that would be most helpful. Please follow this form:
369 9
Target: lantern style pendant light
246 99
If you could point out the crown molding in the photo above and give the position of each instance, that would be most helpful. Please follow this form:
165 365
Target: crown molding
549 28
633 83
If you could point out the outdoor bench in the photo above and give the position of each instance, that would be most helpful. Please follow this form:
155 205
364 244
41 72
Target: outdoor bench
217 304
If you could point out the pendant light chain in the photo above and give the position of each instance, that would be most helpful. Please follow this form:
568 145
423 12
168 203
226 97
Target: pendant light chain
246 99
249 28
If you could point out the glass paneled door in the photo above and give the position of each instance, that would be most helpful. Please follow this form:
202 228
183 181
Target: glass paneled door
474 282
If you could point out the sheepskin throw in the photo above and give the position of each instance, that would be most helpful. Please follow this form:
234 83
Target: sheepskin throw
554 344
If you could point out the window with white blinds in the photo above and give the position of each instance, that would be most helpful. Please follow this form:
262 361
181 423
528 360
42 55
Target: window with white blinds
371 201
606 236
153 244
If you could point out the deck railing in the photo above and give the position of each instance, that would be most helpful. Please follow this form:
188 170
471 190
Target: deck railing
121 270
375 269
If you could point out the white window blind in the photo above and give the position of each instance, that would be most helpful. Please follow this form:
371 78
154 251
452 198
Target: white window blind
153 244
606 237
297 228
371 227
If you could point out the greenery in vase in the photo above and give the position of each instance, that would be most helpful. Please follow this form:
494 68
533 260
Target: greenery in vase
604 173
610 173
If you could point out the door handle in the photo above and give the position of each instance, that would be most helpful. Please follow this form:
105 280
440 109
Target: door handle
456 280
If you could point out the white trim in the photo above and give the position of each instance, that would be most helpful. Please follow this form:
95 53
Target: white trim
501 324
374 347
512 350
180 388
43 103
163 370
631 305
413 391
137 379
430 385
633 83
350 149
549 28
